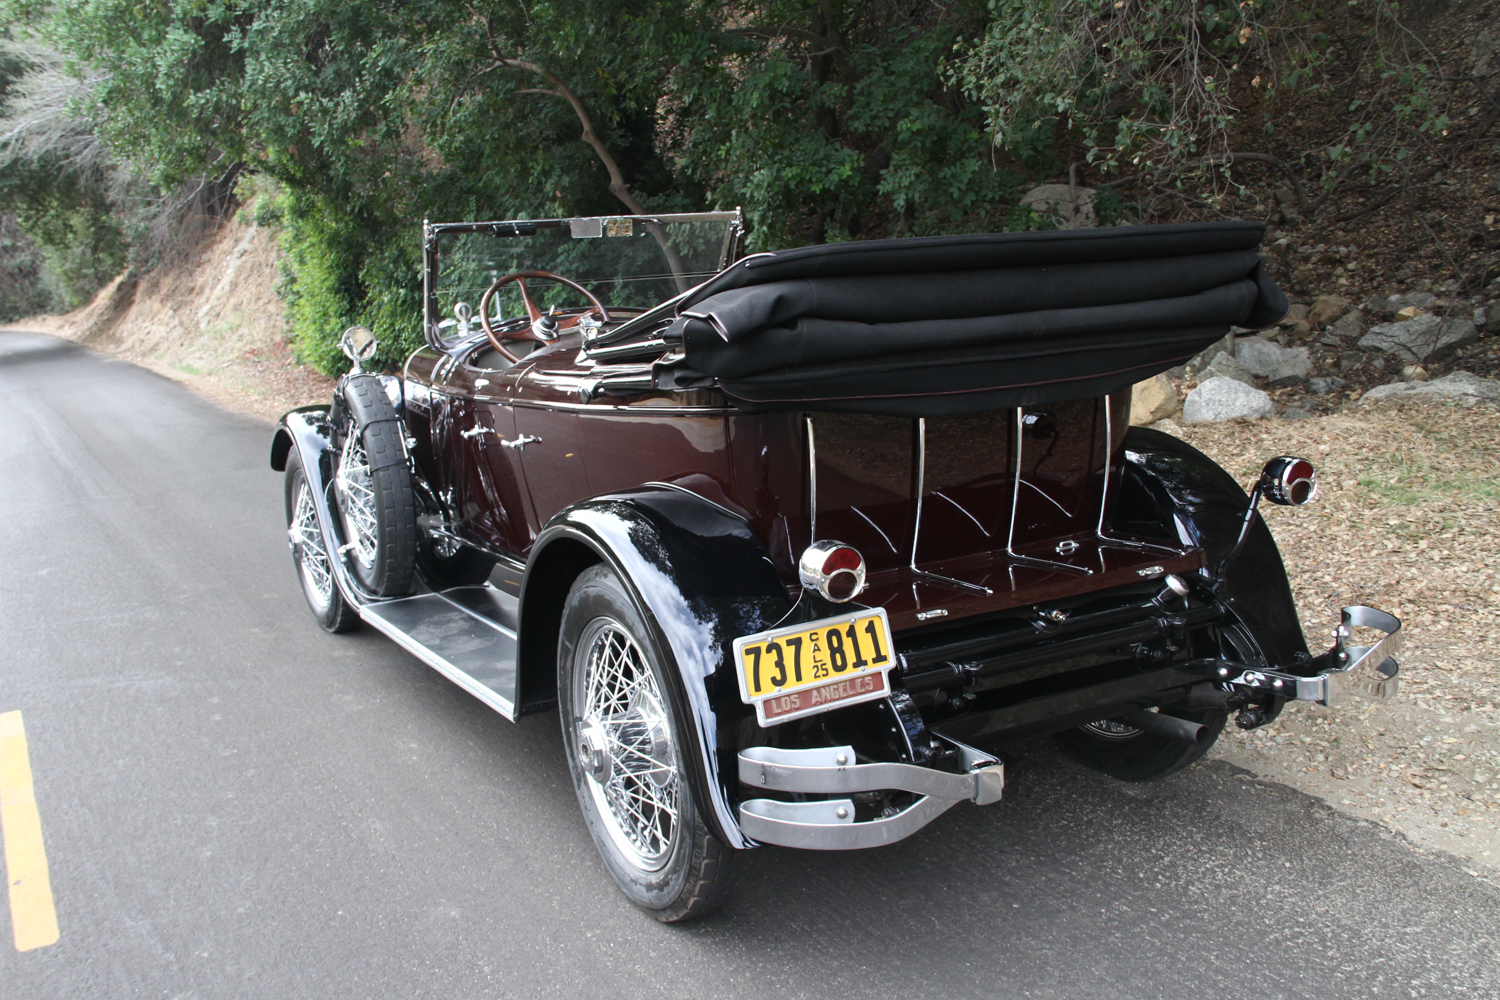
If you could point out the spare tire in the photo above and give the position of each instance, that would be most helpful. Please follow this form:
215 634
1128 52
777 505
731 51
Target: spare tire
373 489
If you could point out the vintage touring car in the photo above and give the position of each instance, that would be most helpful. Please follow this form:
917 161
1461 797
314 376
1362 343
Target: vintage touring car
785 539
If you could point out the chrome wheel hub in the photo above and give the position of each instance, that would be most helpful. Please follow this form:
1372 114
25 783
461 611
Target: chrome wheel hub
624 744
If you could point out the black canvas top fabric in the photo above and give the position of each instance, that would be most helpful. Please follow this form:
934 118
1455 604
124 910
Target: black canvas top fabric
948 325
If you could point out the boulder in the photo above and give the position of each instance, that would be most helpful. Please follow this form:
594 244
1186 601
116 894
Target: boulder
1228 367
1324 384
1327 308
1408 300
1067 208
1421 338
1296 314
1349 328
1462 387
1223 398
1263 358
1152 400
1206 357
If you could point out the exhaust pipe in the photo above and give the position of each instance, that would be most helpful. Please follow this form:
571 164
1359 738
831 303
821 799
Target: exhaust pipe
1167 725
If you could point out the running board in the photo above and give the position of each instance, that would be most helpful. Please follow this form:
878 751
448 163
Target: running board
459 634
467 634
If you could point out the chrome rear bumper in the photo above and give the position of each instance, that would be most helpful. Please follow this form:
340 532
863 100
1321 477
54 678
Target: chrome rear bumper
829 824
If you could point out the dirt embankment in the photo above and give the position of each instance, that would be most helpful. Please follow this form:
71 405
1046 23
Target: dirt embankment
212 321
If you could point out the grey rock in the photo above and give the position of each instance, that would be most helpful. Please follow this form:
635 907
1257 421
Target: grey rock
1375 306
1421 338
1461 386
1206 357
1226 366
1422 300
1349 328
1295 314
1263 358
1295 413
1223 398
1067 208
1325 384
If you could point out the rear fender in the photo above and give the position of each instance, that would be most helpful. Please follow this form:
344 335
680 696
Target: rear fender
699 577
1196 502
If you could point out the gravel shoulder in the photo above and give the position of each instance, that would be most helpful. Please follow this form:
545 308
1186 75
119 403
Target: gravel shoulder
1408 520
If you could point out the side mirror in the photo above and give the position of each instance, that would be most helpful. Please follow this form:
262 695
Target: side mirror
358 345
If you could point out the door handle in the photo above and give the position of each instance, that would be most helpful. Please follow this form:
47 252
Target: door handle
520 442
474 432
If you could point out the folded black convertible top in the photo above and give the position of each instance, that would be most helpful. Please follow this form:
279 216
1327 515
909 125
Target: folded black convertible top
958 324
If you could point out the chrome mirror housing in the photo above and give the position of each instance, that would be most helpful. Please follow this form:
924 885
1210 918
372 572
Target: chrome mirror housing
358 345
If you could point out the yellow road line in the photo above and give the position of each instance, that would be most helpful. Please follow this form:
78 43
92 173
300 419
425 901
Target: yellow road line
32 915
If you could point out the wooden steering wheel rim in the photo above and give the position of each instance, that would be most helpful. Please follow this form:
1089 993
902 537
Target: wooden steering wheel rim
519 277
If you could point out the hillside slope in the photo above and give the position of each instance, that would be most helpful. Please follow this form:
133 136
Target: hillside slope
210 319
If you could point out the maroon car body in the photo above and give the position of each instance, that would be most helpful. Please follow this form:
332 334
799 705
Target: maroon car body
642 492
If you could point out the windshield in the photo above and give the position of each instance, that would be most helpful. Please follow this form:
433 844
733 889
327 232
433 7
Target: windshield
627 262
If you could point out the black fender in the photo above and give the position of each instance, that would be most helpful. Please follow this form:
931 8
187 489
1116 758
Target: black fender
700 578
1191 500
282 440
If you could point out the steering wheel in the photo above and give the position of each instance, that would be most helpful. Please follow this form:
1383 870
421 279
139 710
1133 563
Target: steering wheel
544 327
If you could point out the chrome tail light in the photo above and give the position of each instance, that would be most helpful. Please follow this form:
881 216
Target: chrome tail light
833 569
1289 481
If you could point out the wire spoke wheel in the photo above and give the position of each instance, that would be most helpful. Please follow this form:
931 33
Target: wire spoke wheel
312 560
356 493
625 745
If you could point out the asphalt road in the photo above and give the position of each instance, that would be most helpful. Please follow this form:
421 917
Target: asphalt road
236 804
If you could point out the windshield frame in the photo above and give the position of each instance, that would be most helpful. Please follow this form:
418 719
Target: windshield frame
433 231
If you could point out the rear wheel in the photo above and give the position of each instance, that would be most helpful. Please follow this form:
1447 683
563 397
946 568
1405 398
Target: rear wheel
1132 754
310 555
374 491
625 749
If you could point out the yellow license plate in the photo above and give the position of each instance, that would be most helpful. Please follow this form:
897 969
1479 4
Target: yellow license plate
787 673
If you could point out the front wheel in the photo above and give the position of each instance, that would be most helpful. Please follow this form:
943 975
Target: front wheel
625 750
310 554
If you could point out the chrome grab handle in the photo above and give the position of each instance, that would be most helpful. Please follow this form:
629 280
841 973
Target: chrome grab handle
521 441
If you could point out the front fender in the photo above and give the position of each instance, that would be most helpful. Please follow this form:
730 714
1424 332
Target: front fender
700 578
1198 503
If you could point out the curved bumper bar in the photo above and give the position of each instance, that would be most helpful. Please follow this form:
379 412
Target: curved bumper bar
829 824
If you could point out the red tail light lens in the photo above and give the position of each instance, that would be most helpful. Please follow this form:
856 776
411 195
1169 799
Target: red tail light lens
833 569
1289 481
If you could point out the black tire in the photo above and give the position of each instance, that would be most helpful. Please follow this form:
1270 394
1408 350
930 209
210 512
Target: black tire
1140 756
310 554
458 566
685 871
375 499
